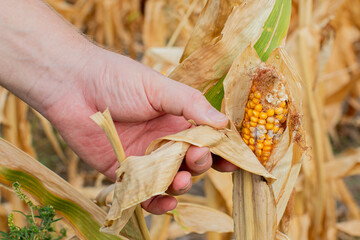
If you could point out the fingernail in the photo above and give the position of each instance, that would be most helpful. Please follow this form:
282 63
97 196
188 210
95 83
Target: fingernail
216 116
203 159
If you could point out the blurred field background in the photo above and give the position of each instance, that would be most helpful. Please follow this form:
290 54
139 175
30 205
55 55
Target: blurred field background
323 34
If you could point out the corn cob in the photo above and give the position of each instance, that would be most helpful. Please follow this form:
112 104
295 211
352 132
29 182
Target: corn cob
265 113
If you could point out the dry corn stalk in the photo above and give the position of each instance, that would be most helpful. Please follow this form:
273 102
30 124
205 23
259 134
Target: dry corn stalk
275 88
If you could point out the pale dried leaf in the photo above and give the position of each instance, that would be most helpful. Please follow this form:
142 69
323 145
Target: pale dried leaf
223 183
345 165
351 228
211 62
142 177
146 176
281 236
200 219
209 25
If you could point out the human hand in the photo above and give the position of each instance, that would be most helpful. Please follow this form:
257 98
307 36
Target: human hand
144 105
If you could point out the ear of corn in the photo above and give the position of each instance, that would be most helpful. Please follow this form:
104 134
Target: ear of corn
265 113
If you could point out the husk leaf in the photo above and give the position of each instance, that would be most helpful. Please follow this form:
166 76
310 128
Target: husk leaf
212 61
209 24
200 219
145 176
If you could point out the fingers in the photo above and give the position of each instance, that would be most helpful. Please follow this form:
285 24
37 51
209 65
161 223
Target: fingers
222 165
159 204
181 183
197 160
166 95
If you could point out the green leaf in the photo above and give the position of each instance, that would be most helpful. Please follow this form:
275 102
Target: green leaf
275 29
79 217
216 94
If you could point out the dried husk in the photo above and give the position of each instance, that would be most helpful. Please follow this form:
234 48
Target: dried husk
346 164
223 184
285 160
142 177
212 61
351 227
200 219
209 25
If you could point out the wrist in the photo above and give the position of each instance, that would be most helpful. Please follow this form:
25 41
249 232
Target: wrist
41 55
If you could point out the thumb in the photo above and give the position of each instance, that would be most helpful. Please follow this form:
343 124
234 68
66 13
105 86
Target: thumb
169 96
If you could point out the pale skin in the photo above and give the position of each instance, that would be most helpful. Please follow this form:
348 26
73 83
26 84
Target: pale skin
48 64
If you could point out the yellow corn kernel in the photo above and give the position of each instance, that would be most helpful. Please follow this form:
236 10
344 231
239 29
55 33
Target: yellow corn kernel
279 110
255 113
266 153
254 119
246 136
256 101
262 121
260 145
260 140
280 117
258 107
276 128
270 112
252 147
246 141
252 141
251 96
246 130
268 142
263 115
262 136
283 104
270 120
253 124
257 95
267 148
249 112
258 152
253 88
269 126
252 104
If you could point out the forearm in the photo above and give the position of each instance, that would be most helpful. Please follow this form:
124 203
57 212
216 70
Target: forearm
38 52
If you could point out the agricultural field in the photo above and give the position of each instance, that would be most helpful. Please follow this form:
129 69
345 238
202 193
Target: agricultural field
287 75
